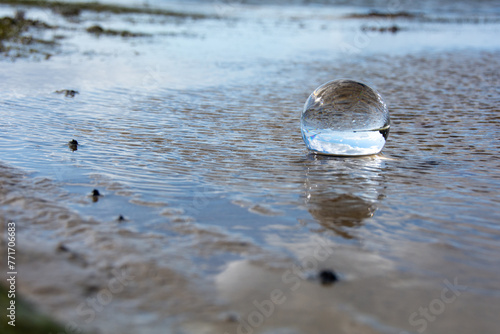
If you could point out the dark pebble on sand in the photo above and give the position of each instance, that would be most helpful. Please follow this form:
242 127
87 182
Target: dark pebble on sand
91 289
327 277
62 248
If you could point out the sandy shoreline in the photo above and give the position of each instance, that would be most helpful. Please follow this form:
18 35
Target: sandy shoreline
95 264
99 277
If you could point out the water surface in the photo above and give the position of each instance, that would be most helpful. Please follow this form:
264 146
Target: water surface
192 134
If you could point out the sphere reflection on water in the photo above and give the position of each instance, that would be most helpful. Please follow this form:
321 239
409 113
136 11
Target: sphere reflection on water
341 194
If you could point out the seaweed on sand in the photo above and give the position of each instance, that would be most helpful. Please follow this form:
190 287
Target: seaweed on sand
98 30
15 40
74 8
381 15
27 318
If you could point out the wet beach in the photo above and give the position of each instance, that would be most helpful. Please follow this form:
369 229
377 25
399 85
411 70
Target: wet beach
188 202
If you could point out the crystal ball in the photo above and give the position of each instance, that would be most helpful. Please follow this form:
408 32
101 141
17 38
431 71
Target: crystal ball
345 118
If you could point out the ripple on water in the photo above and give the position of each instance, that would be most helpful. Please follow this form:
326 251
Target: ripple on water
234 157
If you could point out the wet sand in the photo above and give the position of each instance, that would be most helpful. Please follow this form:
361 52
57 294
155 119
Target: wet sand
189 130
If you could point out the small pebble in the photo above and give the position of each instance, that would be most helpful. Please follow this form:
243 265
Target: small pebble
67 92
73 145
91 289
230 317
62 248
327 277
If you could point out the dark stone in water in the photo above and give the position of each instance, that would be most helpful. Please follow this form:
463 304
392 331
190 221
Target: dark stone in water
67 92
73 145
95 195
121 218
327 277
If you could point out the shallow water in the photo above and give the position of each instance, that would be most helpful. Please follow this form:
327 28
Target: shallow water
199 131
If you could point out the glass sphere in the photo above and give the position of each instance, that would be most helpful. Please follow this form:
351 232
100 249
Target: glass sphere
345 118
